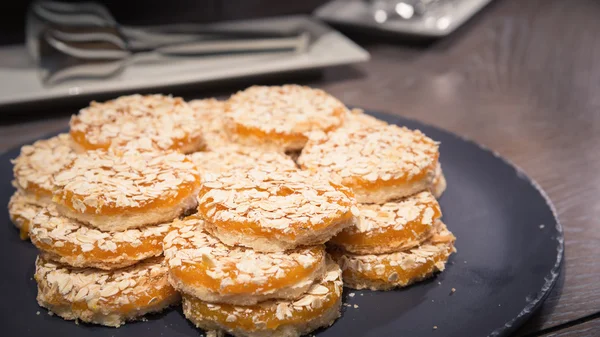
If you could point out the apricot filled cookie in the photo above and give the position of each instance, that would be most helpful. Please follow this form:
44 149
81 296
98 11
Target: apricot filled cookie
152 122
201 266
274 211
280 117
21 211
70 242
36 165
233 157
116 192
378 164
393 270
391 227
319 307
104 297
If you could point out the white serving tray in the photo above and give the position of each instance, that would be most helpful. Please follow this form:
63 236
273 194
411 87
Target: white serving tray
20 81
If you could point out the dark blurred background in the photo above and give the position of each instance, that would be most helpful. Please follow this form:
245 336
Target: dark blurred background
146 12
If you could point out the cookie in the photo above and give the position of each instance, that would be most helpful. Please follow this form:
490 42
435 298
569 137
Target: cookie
272 211
319 307
36 165
391 227
70 242
21 211
150 122
116 192
108 298
203 267
395 270
281 117
378 164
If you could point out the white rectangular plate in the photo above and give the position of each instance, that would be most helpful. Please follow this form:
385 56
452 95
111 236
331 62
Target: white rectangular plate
20 81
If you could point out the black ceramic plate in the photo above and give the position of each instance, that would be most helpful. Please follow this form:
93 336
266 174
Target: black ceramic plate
509 245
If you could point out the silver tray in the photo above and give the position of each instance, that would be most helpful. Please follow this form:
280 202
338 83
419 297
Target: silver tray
20 81
436 23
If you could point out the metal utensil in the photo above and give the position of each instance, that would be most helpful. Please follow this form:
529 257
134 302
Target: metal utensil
84 40
65 55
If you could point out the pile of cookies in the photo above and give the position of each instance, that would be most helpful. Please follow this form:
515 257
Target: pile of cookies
395 175
254 212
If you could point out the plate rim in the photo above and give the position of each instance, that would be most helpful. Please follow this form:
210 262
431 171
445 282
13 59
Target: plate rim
551 278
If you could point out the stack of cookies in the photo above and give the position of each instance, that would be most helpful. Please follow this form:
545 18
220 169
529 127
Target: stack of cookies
393 171
243 225
98 217
252 262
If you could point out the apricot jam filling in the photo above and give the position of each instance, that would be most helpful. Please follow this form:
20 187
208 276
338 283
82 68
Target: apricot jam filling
80 138
277 204
73 250
279 136
293 230
115 304
198 259
266 314
399 268
197 274
409 222
321 297
24 229
373 185
402 274
124 291
105 207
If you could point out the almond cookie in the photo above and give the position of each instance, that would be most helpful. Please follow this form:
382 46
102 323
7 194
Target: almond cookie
280 117
234 157
394 270
378 164
319 307
203 267
70 242
35 167
272 211
116 192
21 211
151 122
104 297
391 227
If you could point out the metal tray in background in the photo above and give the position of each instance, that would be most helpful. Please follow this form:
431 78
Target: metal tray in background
357 14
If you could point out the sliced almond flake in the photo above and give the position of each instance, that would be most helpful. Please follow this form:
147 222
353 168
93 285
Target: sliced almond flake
318 290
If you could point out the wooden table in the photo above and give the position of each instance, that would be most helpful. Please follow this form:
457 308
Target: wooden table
521 78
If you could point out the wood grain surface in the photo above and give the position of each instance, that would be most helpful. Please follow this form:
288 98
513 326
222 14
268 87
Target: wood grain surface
522 78
589 328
